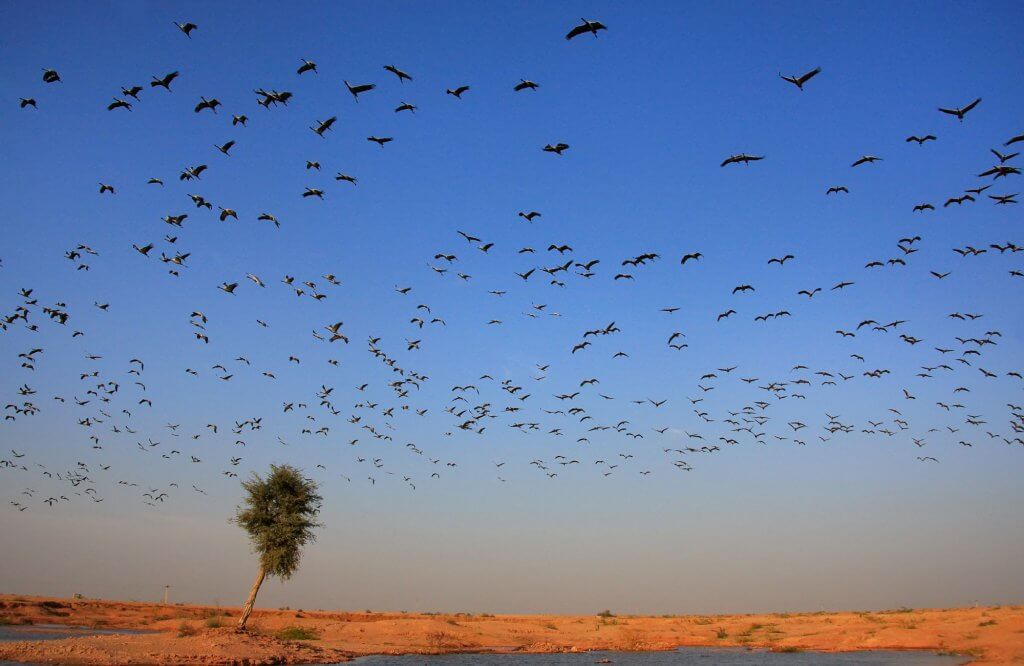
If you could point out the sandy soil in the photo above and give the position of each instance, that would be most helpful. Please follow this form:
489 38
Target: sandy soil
190 635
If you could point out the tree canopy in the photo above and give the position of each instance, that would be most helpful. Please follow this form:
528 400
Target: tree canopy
279 513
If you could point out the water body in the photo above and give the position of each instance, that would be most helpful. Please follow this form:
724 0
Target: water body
48 632
681 657
51 632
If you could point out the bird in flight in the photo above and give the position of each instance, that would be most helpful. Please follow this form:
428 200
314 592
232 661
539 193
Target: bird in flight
402 76
359 89
960 112
799 81
584 27
866 159
741 158
186 28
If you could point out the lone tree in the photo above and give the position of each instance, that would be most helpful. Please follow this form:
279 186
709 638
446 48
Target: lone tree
279 513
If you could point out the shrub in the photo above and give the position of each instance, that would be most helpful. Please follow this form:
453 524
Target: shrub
298 634
606 613
721 633
186 629
789 648
987 623
437 639
214 622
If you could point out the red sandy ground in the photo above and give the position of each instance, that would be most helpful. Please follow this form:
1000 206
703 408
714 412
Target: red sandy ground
190 635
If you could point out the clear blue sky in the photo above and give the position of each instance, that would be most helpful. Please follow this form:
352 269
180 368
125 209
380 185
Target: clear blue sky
650 108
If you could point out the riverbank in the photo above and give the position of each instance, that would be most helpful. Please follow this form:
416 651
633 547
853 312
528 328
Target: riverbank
186 634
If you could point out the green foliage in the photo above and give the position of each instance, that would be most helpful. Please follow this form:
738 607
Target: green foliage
297 634
279 513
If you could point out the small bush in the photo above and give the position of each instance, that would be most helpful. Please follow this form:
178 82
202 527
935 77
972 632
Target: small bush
789 648
438 639
606 613
298 634
550 626
987 623
721 633
214 622
186 629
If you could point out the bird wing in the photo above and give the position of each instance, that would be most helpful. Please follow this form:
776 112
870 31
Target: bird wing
809 75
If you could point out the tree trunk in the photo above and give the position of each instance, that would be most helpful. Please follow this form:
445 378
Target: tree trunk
247 608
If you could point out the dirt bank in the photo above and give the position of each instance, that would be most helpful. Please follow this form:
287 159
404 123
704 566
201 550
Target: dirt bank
202 635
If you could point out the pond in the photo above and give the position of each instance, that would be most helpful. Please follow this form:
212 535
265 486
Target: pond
45 632
50 632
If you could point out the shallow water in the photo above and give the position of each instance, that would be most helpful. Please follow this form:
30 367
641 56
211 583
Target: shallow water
683 656
48 632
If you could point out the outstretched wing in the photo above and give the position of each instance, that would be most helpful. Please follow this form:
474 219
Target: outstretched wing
809 75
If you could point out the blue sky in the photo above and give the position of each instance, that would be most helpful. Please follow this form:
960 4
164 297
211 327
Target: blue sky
650 108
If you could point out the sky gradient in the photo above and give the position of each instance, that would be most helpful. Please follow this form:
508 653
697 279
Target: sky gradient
650 108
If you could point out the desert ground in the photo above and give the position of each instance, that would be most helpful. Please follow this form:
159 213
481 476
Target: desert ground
186 634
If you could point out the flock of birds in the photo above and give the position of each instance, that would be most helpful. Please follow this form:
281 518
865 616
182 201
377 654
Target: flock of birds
108 400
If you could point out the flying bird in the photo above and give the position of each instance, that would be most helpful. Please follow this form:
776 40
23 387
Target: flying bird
799 81
586 26
357 90
186 28
741 158
402 76
960 112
